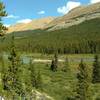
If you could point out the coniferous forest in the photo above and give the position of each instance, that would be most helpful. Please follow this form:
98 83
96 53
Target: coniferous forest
78 39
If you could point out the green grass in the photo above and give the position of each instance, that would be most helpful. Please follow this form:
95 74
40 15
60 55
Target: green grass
61 56
60 85
56 83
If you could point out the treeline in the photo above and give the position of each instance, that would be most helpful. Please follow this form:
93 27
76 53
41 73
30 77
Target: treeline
81 47
82 38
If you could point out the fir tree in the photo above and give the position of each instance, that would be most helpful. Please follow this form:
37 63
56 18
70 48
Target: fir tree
83 82
56 61
54 64
52 67
96 70
2 32
14 84
2 14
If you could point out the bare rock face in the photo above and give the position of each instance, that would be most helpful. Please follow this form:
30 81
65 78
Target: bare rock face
34 24
76 16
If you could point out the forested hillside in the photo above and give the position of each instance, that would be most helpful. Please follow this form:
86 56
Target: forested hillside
82 38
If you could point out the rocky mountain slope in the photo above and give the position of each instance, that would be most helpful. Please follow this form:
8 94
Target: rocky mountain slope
76 16
34 24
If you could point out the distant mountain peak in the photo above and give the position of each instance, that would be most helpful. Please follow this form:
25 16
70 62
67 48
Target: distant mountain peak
76 16
32 25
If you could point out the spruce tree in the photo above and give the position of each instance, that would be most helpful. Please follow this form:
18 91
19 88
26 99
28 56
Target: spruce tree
52 67
2 14
96 70
2 32
83 82
14 83
54 63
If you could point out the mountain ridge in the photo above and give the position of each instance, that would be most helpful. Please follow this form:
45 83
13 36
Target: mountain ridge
73 17
76 16
34 24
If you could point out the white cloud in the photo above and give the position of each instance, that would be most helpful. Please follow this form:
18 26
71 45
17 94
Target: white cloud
7 25
41 12
12 16
25 21
94 1
70 5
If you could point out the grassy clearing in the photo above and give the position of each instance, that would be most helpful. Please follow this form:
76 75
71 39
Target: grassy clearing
60 85
60 55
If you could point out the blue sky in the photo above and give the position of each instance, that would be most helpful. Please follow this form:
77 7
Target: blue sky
23 11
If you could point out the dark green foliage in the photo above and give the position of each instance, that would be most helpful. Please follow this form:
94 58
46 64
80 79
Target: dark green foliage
96 70
2 32
2 14
98 98
82 38
5 81
11 77
83 82
52 67
54 64
56 61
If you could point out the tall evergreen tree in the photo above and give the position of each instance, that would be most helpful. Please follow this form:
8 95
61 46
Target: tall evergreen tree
52 67
13 82
2 14
54 63
83 82
96 70
2 32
